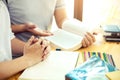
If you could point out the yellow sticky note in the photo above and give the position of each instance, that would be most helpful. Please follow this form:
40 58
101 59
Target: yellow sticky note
115 75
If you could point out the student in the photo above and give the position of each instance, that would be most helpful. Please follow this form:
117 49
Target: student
35 50
40 13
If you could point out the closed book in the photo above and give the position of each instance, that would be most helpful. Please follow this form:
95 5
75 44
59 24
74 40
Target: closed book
111 28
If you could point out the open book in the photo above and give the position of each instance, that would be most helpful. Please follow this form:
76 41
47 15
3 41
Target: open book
69 37
54 67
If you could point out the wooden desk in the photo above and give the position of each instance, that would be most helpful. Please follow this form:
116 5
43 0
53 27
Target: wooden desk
99 46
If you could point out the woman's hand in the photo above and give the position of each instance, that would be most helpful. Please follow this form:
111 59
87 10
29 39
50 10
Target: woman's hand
36 50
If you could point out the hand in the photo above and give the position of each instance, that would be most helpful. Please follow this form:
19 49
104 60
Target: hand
88 40
36 31
36 50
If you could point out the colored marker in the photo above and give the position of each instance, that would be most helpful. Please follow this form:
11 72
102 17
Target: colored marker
104 56
83 57
93 53
99 54
112 60
89 54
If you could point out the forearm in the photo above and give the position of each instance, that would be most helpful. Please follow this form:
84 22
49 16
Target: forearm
17 46
60 16
18 28
12 67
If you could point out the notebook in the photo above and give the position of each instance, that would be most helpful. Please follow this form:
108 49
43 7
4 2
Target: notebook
54 67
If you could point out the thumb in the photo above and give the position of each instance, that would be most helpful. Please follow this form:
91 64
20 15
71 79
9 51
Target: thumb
47 33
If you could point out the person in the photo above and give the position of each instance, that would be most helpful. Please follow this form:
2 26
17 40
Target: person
34 51
27 15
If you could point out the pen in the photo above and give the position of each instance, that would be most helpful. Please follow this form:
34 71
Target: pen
58 49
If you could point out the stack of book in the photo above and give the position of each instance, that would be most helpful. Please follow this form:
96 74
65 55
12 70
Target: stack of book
112 32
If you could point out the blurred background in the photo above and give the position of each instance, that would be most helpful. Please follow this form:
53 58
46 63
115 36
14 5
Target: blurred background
94 12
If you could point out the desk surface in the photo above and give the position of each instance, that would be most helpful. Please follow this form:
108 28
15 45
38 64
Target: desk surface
99 46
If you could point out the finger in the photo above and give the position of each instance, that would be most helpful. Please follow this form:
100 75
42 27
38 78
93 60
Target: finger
87 43
41 39
83 43
93 38
37 44
89 39
49 32
47 49
46 52
35 40
42 44
46 34
30 41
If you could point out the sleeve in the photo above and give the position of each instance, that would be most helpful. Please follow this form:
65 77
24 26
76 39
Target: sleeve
60 4
11 35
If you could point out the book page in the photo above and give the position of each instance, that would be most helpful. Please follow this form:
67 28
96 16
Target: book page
65 40
54 67
74 26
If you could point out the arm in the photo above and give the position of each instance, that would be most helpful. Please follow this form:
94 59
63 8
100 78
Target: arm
60 18
17 46
29 27
34 52
18 28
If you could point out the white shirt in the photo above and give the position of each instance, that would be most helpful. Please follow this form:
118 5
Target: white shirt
40 12
5 34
